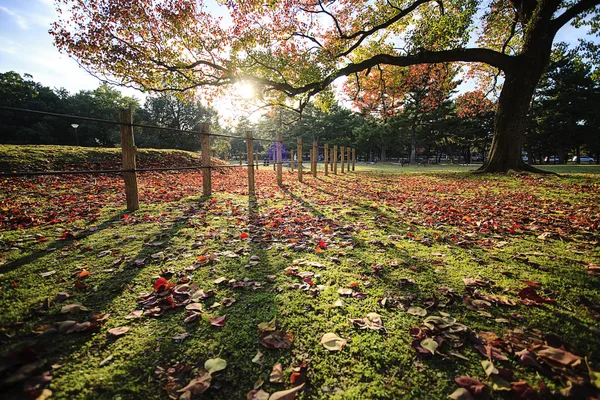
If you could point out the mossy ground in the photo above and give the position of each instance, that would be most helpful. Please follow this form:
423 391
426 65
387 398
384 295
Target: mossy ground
380 226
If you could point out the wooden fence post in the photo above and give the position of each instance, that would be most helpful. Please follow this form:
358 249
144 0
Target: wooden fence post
129 151
292 160
279 159
326 158
348 153
299 160
353 158
250 151
342 151
241 155
206 176
335 154
315 157
310 158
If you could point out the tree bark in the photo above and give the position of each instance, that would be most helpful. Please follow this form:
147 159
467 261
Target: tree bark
513 106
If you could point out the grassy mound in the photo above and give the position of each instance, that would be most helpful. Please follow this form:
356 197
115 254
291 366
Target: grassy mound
69 158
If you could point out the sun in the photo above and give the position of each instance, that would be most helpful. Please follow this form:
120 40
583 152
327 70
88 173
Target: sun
245 90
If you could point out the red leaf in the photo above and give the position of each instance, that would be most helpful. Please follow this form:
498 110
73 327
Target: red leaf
529 295
244 235
83 274
161 284
322 244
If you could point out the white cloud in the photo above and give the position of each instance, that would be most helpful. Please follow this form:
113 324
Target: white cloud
19 20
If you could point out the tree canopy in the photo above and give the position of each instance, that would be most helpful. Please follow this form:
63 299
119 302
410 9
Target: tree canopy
297 48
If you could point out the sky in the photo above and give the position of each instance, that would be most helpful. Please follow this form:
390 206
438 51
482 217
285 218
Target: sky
26 47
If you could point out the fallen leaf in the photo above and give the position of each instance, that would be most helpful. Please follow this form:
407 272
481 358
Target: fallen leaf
134 314
161 284
473 385
73 308
215 365
418 311
499 384
289 394
276 374
257 394
345 291
488 367
106 361
461 394
429 344
268 326
333 342
218 321
197 385
258 358
277 340
228 301
194 307
181 336
119 331
557 355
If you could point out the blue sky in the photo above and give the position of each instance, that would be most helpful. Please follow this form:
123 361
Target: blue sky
26 46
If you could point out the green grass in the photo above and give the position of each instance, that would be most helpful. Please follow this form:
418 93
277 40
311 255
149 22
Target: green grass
381 224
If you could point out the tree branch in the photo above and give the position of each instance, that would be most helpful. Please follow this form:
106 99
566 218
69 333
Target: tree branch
570 13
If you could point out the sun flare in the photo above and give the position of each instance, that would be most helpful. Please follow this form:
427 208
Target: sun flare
245 90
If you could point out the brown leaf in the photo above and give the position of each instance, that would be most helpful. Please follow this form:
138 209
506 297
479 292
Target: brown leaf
218 321
557 355
473 385
120 331
198 385
277 340
257 394
276 374
289 394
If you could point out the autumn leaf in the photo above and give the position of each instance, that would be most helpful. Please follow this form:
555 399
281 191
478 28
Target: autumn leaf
215 365
418 311
277 340
429 344
257 394
218 321
289 394
333 342
488 367
197 385
73 308
181 336
276 373
461 394
268 326
161 285
473 385
120 331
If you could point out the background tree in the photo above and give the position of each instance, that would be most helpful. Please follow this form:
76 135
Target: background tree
564 106
413 92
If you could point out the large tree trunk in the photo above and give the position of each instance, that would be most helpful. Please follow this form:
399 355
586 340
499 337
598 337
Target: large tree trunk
513 106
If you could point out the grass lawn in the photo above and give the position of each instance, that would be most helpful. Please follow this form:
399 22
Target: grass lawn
425 274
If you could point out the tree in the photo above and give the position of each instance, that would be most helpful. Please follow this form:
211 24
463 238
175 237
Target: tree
564 108
411 91
170 111
298 48
23 128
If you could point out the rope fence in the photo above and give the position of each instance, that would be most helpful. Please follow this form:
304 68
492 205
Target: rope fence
346 156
